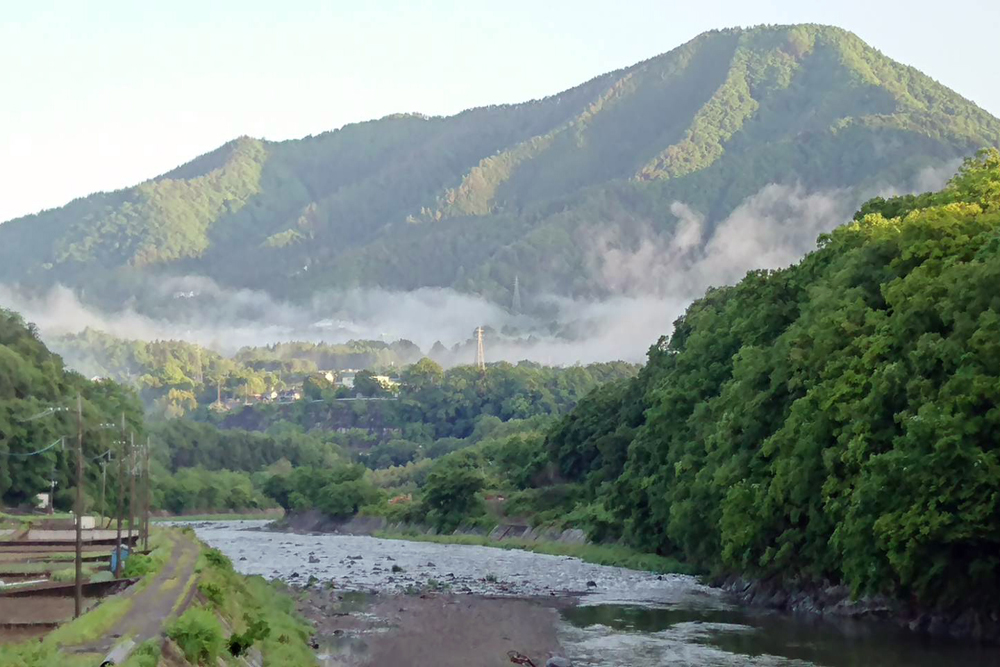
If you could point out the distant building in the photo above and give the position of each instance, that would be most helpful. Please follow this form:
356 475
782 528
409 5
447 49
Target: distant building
346 379
289 396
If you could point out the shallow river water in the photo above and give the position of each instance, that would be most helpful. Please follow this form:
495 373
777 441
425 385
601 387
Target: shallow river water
623 617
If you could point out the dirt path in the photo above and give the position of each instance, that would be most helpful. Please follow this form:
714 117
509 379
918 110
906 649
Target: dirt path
154 602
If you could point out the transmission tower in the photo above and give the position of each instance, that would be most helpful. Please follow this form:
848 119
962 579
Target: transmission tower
515 305
480 353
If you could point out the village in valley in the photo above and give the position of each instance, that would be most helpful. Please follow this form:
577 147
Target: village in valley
343 383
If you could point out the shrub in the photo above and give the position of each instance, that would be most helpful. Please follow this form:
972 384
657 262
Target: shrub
212 592
216 558
257 629
137 565
147 655
198 633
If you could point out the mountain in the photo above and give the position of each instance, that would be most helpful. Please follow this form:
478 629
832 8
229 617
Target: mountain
533 190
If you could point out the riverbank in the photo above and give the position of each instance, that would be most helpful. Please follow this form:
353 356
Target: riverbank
187 605
571 543
605 615
836 602
598 554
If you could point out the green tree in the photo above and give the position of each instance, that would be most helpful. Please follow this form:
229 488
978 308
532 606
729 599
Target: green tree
451 491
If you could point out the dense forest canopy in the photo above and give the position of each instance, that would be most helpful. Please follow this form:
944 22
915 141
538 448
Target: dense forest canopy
227 459
220 458
529 190
174 377
833 421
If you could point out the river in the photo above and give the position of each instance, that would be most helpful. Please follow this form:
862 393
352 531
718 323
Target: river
623 617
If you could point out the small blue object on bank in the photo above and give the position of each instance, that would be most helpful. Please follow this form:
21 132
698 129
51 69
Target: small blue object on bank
114 558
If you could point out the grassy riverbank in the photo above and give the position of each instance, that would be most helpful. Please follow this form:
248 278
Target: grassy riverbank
204 606
599 554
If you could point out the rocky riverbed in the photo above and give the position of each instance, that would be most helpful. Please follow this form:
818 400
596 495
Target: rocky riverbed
394 566
387 602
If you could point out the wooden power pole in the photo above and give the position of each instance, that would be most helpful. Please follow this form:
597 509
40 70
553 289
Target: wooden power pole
104 484
146 489
131 489
121 501
78 580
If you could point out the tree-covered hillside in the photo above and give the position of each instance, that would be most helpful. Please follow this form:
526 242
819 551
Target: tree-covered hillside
174 377
835 421
38 400
473 200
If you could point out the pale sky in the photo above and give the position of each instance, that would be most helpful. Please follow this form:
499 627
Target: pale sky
101 95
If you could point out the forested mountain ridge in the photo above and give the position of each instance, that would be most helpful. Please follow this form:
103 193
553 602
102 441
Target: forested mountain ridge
835 421
470 201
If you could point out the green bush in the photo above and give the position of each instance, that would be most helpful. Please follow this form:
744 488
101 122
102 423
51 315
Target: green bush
240 643
216 558
198 633
212 592
451 493
137 565
147 655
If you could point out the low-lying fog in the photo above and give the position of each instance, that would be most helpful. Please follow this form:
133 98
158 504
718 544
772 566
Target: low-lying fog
653 280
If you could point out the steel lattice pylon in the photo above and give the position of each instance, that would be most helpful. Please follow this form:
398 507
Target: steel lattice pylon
480 353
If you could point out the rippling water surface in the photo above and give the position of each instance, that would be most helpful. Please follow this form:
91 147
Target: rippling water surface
624 617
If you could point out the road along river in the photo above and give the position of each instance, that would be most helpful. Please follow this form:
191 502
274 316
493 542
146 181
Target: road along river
601 615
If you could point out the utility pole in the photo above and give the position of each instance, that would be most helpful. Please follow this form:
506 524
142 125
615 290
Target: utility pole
146 490
78 582
121 500
52 487
131 490
104 483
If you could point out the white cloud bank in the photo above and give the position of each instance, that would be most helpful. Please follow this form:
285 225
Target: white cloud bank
654 277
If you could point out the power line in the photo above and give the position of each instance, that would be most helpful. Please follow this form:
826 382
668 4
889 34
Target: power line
40 451
45 413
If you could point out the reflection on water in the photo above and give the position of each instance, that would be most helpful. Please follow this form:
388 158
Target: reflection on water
341 649
632 635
